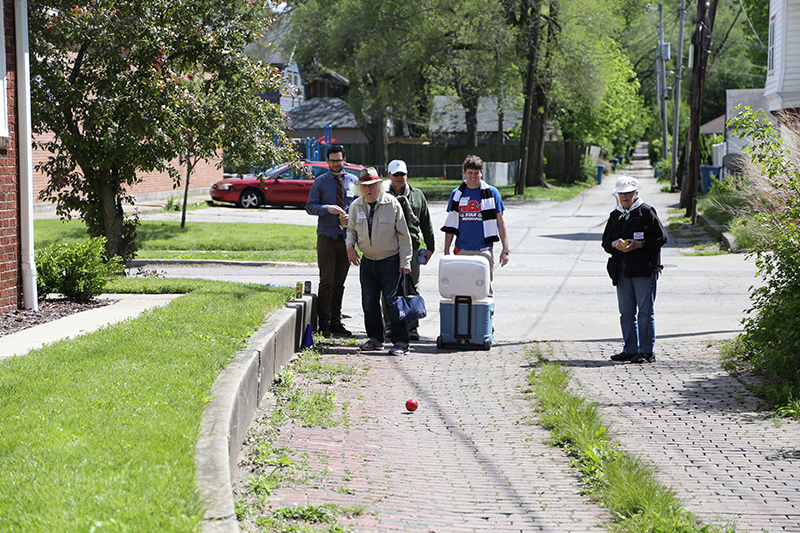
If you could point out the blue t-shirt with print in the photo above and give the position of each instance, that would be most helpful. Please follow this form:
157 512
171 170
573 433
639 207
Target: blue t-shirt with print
470 224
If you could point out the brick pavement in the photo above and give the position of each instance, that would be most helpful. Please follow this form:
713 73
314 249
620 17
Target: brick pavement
701 428
470 460
467 460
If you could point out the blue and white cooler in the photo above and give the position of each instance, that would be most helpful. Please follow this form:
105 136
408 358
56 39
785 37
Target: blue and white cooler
466 309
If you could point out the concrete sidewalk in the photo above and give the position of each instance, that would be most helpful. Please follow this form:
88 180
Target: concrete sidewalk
125 306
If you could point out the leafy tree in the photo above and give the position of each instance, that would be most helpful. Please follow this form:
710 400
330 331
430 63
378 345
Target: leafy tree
611 113
772 332
394 51
382 49
566 44
127 87
474 55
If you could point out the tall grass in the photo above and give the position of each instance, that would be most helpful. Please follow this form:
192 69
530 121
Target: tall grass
625 484
98 433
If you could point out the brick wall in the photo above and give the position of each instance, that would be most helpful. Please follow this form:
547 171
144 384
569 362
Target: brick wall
153 185
10 266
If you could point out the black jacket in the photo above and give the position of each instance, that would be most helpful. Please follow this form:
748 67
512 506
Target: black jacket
642 222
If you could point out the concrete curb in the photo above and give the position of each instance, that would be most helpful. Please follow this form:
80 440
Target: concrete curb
728 240
236 394
137 263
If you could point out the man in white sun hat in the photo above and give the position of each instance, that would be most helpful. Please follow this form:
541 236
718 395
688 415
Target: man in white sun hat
420 226
634 236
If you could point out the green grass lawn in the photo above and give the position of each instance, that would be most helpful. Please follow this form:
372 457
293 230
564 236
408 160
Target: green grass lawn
439 189
254 242
98 433
199 240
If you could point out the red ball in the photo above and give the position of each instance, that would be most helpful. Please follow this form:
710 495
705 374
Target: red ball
411 404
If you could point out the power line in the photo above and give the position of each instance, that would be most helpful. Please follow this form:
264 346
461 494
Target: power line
751 26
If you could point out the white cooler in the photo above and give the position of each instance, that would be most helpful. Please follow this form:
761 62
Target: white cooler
466 310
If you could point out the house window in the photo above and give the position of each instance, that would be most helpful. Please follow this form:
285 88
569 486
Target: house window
771 48
3 75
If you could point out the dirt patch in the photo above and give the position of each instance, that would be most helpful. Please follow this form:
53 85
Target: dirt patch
49 310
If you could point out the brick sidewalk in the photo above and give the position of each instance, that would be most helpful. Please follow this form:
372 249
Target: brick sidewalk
701 428
466 460
469 459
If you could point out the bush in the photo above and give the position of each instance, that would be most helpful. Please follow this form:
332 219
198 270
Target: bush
772 332
78 271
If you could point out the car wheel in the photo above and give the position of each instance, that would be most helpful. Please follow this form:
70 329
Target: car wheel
249 199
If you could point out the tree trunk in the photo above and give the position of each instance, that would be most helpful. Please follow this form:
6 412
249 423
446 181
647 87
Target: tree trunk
529 25
536 177
106 217
189 168
469 101
702 44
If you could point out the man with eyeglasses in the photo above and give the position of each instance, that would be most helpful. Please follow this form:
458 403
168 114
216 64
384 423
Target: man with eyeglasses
329 199
420 227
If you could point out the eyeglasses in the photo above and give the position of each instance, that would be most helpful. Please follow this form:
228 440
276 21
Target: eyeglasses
399 174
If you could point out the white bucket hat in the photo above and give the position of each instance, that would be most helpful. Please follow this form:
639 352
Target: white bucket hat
626 184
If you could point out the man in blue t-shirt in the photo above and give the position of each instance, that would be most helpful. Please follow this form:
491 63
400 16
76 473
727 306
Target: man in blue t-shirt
475 217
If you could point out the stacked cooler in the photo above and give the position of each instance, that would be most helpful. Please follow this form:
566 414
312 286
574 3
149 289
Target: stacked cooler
466 308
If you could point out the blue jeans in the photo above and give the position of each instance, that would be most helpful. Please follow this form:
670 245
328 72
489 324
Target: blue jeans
380 277
637 317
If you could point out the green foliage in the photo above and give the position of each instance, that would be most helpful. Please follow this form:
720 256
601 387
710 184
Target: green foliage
772 331
99 432
128 87
625 484
612 114
706 144
78 271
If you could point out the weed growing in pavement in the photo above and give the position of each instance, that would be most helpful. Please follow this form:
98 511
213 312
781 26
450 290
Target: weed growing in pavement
304 395
624 484
537 354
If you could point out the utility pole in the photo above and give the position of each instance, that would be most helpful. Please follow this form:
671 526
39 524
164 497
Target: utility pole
676 100
662 55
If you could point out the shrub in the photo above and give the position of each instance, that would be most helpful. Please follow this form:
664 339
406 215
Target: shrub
78 271
772 332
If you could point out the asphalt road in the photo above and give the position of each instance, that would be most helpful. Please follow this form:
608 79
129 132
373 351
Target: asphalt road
555 286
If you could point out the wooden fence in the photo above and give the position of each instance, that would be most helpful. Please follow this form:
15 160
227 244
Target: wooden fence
441 160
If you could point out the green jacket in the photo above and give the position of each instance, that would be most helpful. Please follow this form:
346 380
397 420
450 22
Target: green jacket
423 229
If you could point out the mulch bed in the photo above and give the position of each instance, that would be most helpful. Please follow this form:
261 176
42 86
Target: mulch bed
49 310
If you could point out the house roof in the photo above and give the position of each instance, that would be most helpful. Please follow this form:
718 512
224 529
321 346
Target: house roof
714 126
319 112
448 115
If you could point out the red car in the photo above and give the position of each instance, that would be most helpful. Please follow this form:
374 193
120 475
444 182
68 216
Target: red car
286 184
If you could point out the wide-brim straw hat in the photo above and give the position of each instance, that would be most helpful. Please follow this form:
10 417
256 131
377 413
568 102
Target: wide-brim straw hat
369 176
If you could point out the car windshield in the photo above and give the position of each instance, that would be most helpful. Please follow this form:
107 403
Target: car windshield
257 172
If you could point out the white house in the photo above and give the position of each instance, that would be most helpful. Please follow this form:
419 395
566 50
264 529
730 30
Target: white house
782 87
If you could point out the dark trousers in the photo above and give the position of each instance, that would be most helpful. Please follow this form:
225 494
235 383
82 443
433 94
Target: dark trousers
380 278
333 266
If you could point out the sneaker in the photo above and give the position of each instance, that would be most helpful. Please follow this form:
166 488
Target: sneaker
413 335
644 358
325 331
398 349
622 357
339 330
369 346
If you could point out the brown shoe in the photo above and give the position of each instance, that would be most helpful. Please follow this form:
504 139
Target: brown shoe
339 330
325 331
